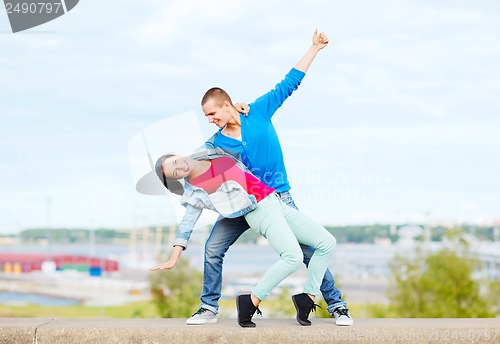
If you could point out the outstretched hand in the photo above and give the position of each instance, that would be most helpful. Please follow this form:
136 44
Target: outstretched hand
169 264
320 40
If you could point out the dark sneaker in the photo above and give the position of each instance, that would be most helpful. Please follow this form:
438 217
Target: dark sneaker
304 305
246 310
202 316
342 316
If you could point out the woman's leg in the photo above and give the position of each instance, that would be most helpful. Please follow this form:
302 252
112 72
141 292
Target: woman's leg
268 220
331 294
310 233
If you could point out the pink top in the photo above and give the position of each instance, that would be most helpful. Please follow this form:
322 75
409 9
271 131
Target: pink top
224 169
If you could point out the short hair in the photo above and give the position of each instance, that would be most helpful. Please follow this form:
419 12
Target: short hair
173 185
218 94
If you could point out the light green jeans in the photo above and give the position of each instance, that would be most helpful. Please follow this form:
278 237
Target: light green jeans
285 227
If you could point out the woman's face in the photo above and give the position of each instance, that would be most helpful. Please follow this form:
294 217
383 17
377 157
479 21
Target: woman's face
177 167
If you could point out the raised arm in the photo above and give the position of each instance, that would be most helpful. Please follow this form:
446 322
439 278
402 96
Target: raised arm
319 41
267 104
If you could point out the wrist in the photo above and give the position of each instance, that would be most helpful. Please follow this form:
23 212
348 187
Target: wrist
315 48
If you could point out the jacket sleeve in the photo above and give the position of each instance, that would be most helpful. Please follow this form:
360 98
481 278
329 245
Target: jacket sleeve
186 225
267 104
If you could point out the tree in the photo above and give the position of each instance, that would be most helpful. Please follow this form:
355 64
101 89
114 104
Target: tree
282 306
494 295
437 285
176 292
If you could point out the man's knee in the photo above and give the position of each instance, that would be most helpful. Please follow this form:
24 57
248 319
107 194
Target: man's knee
215 251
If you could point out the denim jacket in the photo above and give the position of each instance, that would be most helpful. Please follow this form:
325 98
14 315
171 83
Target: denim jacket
230 200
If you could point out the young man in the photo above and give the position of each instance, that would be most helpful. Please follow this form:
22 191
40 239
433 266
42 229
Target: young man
253 140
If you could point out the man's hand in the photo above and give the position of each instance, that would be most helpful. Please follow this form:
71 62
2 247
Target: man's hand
169 264
320 40
242 108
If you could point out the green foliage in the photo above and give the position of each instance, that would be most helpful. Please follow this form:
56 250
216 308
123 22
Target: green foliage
376 310
140 309
436 285
70 236
176 292
322 310
358 234
282 306
494 295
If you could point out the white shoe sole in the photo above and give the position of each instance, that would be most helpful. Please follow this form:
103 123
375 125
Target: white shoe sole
348 322
201 321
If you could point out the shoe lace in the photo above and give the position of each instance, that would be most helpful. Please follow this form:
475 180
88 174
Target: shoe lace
313 307
200 311
342 311
258 311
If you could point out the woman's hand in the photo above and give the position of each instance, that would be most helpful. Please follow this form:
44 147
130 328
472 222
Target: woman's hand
169 264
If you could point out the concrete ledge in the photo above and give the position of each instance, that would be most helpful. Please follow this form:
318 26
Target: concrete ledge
132 331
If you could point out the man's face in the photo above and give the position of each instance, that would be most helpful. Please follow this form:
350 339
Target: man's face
217 114
177 167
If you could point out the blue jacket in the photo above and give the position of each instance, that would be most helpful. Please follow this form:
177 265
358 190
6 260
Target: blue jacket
260 149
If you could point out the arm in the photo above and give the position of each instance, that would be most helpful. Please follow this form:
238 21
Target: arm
267 104
319 41
186 225
182 236
169 264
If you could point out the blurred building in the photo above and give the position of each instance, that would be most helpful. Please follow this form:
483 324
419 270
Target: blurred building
18 263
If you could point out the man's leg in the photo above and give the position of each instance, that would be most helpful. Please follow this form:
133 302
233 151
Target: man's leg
224 233
331 294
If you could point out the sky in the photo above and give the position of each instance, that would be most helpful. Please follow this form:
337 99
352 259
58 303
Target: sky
396 121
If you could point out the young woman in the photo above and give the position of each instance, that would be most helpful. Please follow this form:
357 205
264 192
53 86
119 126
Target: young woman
215 180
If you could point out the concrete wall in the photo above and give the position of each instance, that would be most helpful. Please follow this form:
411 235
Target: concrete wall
132 331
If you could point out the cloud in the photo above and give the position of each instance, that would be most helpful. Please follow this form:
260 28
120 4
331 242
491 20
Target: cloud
407 90
183 21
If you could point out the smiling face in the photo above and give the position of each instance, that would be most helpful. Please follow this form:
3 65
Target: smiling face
216 113
177 167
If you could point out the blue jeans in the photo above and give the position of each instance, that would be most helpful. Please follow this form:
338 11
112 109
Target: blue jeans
224 233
